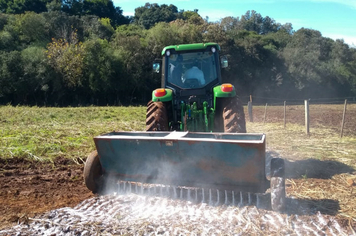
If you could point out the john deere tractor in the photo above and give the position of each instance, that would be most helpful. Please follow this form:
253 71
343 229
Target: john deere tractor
192 96
211 153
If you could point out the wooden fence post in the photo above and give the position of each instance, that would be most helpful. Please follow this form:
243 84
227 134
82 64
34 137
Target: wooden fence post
264 118
284 117
249 105
306 102
250 114
343 119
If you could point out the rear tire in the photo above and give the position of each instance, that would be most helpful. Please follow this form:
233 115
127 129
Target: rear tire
230 116
278 187
93 173
156 117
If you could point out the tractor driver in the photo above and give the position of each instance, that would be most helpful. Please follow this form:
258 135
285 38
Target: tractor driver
176 71
195 73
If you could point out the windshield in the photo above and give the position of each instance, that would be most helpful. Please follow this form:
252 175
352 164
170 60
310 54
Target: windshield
192 70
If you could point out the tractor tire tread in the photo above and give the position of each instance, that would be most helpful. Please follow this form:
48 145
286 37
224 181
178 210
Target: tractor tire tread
231 114
151 108
156 117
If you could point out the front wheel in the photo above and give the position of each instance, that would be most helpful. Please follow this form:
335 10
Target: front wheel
278 187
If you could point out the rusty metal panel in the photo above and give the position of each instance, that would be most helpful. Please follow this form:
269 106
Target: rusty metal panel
182 158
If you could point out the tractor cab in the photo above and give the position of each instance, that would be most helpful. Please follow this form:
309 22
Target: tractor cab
192 66
191 84
191 70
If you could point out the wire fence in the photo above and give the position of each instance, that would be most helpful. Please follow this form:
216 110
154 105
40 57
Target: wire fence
259 101
333 113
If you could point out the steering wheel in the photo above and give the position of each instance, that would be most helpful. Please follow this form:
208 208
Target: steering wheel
192 83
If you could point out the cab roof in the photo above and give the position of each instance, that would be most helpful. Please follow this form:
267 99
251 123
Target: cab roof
187 47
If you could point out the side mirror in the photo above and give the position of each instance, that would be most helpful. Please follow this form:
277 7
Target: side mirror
156 66
224 62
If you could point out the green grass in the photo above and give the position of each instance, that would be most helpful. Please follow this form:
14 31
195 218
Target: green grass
47 133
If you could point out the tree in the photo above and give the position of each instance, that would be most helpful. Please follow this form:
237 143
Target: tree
10 35
188 32
351 65
93 28
54 5
131 30
287 27
136 56
73 7
113 64
268 25
21 6
229 23
150 14
99 8
63 26
186 15
278 40
3 6
302 55
34 83
11 74
342 66
101 66
67 60
251 21
105 9
33 28
318 65
3 20
161 35
216 33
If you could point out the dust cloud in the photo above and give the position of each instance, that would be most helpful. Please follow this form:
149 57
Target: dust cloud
133 214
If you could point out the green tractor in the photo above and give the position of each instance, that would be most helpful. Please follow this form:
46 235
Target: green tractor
211 154
192 96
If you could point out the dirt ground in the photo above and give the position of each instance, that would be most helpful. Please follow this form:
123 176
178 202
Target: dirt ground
31 188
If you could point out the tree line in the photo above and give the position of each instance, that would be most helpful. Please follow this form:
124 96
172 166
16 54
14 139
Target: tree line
82 52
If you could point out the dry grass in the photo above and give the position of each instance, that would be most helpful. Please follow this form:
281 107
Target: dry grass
321 167
294 144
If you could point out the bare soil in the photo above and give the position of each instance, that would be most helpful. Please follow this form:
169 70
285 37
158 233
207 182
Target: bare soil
29 188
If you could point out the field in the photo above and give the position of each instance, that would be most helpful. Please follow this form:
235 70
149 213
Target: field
42 152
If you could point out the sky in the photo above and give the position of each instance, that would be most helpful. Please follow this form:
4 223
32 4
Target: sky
335 19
